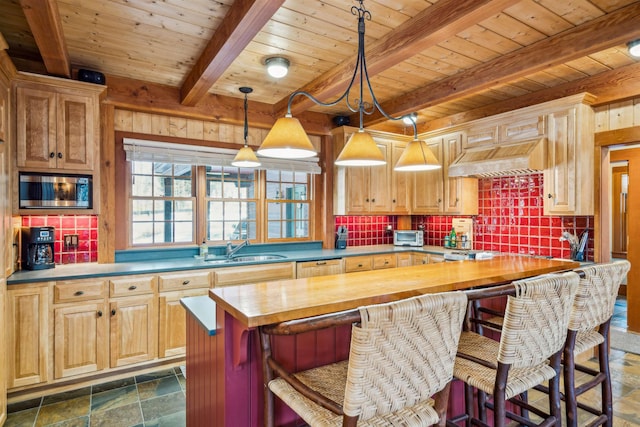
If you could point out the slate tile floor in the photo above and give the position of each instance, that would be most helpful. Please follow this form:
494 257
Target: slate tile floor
158 399
150 400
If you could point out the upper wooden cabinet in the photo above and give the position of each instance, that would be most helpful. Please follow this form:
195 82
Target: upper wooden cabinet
57 123
433 192
370 189
569 176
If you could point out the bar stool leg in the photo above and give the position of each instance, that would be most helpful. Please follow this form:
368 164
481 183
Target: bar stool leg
603 356
569 381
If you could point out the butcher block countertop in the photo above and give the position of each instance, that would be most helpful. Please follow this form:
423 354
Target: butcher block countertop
267 303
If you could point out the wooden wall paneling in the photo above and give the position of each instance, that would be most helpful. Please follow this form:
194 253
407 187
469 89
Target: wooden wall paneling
211 131
160 125
141 122
195 129
601 119
123 120
636 112
621 115
178 127
107 219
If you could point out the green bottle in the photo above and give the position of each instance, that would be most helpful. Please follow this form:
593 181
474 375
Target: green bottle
452 238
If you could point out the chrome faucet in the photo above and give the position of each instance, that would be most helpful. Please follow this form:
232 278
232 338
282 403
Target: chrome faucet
231 250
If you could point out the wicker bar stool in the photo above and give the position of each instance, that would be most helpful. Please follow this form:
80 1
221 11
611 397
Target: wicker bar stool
589 327
399 369
528 353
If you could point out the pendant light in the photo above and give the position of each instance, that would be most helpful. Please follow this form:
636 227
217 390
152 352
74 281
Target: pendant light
246 158
288 139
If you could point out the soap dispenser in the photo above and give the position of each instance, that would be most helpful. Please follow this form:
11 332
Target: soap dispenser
204 249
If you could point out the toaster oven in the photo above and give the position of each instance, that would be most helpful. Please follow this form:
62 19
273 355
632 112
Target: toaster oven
408 238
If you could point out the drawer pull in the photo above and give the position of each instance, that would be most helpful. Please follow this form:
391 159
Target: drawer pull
113 311
133 287
321 263
360 265
186 282
99 313
79 293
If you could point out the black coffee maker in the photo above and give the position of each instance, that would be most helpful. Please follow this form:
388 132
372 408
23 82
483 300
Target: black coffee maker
37 248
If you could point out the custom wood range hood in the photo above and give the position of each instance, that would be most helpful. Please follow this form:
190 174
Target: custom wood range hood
508 159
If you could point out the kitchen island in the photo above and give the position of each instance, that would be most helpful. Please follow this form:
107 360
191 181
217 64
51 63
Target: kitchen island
224 366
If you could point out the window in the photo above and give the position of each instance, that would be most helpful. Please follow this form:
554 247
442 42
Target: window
228 203
231 203
287 204
162 203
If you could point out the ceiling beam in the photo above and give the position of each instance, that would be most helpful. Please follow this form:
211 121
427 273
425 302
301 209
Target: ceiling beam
433 25
601 33
243 21
608 86
46 26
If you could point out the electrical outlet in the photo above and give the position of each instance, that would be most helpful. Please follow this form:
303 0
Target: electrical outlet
70 241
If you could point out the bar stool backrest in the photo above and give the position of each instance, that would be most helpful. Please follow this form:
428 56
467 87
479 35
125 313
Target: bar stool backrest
596 296
402 353
536 319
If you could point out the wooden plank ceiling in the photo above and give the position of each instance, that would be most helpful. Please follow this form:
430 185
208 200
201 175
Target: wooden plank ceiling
450 60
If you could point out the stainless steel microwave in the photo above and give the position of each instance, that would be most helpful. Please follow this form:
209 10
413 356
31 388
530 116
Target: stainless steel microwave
408 238
55 191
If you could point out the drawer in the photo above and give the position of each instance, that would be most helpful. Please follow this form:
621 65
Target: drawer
174 282
132 286
358 263
318 268
254 274
79 290
384 261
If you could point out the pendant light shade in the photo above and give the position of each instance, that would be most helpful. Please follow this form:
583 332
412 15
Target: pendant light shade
287 140
360 150
246 158
417 157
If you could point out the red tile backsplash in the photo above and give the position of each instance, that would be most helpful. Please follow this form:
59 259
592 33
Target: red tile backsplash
510 219
85 226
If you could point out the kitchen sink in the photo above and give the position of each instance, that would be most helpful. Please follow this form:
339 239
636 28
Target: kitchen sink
254 258
243 258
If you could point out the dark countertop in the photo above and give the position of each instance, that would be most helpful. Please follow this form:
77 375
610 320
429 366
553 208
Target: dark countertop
91 270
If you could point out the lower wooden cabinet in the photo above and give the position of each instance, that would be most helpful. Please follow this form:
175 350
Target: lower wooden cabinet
318 268
404 259
418 258
81 340
172 323
28 338
254 273
133 329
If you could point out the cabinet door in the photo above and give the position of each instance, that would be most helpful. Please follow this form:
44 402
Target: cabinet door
560 175
75 132
28 334
173 322
428 185
399 183
379 182
460 194
36 128
133 330
420 259
403 260
357 186
80 334
384 261
3 354
318 268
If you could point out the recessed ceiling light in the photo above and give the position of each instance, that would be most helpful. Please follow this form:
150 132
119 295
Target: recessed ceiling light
634 48
277 66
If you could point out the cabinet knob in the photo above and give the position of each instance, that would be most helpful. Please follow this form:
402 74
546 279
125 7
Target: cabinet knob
457 200
549 196
133 287
99 313
186 282
59 155
439 201
394 200
79 293
373 200
52 154
366 200
113 311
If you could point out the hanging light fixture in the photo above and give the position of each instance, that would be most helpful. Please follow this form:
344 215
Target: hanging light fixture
288 139
277 66
246 158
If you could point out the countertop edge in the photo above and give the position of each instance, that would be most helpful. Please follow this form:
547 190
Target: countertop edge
203 309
